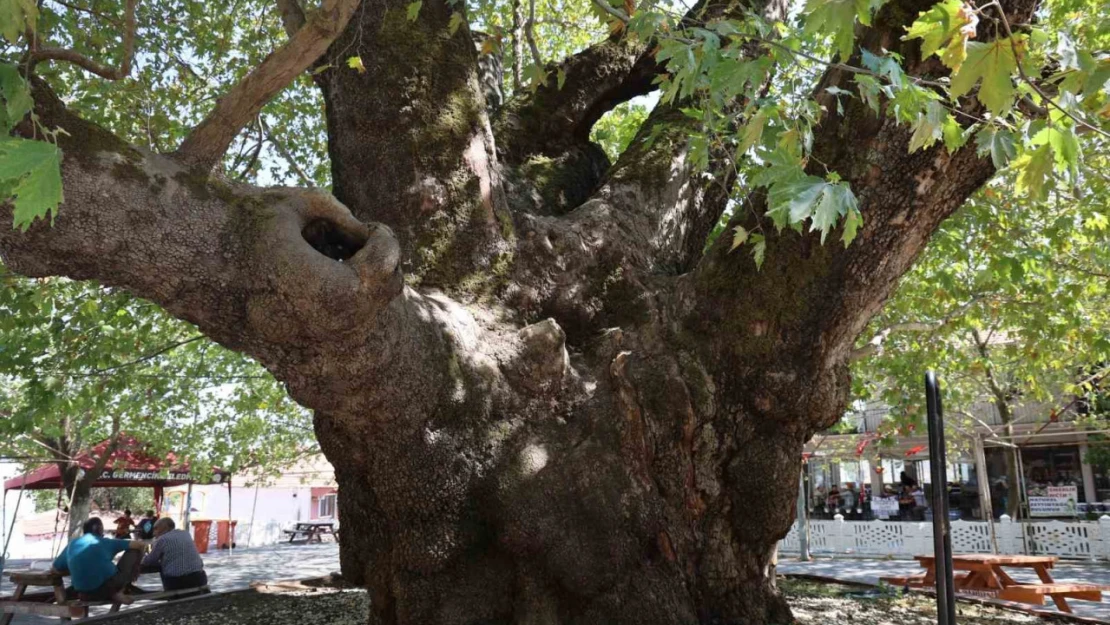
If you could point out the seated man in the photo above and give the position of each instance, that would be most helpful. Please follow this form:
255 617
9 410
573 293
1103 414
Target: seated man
175 558
88 559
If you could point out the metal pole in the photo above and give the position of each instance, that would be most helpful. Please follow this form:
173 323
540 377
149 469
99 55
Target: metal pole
803 517
1022 513
942 540
188 506
3 529
985 491
254 508
230 531
15 515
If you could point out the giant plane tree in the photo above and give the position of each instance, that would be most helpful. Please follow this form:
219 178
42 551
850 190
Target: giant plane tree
556 387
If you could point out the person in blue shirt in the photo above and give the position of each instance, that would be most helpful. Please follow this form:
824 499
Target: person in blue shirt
88 560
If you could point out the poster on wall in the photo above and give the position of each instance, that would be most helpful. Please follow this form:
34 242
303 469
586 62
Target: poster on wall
884 507
1053 500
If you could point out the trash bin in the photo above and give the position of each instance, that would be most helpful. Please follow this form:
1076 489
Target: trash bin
200 534
225 533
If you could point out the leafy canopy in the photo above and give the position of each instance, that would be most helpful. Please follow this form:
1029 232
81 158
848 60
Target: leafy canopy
1010 303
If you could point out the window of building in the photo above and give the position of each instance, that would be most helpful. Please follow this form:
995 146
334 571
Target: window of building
327 506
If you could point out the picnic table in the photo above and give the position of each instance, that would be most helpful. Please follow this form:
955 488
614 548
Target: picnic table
984 574
54 602
312 531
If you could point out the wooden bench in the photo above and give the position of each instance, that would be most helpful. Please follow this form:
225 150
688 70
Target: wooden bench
916 581
54 603
1060 592
311 532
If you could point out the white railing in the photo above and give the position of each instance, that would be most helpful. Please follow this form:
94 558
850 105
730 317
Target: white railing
1088 540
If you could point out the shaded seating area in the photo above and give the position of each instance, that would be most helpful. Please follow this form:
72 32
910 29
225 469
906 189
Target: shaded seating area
57 603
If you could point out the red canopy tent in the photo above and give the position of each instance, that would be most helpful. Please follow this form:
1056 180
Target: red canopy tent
130 465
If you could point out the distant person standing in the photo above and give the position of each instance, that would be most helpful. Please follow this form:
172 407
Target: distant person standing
146 526
175 557
124 525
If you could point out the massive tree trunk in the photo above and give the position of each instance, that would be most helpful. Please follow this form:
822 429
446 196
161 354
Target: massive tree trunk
545 403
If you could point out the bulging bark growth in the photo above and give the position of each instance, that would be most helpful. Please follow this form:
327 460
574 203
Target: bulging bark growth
571 413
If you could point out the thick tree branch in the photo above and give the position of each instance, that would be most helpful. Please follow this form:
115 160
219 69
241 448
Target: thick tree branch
410 141
552 119
530 34
516 37
71 56
875 345
113 444
253 268
903 197
208 142
292 17
611 10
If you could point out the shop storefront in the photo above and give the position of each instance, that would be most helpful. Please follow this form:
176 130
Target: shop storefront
886 488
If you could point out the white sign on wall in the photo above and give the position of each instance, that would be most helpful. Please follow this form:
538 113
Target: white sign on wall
1053 500
884 507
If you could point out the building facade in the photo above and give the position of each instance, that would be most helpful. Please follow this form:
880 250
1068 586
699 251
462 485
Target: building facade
863 477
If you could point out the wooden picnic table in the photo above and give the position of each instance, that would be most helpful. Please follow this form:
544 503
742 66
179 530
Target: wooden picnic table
55 603
312 531
984 574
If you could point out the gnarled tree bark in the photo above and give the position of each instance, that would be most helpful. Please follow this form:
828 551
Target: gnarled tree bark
569 412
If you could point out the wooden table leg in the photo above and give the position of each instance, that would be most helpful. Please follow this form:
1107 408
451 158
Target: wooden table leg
1046 578
60 599
1003 576
5 619
1042 573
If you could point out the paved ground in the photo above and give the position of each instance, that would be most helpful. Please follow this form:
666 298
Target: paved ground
861 570
226 571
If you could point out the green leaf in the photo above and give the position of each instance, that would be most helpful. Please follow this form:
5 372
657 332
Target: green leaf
998 142
836 200
753 130
355 63
944 29
759 249
839 18
414 10
560 78
535 76
929 127
809 197
852 222
16 16
869 90
17 98
1065 145
1034 170
453 25
887 66
698 156
740 234
30 177
994 63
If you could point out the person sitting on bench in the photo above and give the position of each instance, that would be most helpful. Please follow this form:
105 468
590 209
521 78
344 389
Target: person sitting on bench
88 560
175 558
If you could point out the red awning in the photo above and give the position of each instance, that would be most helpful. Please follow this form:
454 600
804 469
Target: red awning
129 465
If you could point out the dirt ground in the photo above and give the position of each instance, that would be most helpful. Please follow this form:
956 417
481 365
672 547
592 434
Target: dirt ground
813 603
